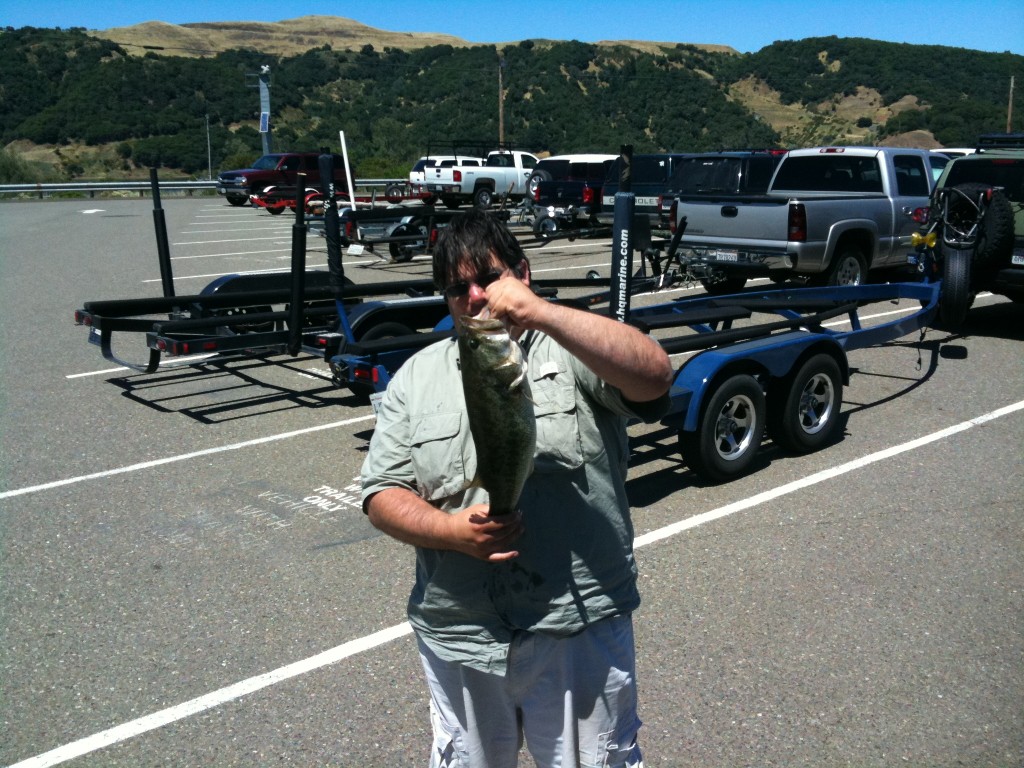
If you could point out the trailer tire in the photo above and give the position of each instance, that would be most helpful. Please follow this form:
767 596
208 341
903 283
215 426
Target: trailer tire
955 298
276 211
725 286
729 430
395 193
483 197
403 252
803 408
545 226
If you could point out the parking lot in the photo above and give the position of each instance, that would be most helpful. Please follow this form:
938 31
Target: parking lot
188 580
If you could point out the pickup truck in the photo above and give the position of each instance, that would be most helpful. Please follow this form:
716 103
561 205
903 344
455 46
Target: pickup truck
828 216
650 178
566 191
504 174
278 169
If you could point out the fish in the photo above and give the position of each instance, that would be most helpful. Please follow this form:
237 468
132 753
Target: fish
500 411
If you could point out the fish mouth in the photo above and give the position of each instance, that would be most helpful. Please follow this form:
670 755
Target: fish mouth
482 324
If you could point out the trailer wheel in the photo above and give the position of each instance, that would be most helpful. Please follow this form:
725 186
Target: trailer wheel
404 251
724 286
729 430
955 297
387 330
806 413
395 193
483 197
545 226
277 211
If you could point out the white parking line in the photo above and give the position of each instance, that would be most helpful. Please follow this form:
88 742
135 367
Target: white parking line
170 715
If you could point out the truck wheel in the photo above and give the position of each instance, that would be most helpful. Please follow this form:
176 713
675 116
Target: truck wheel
847 268
482 198
722 287
955 296
545 226
237 200
276 211
404 251
803 410
729 430
450 202
995 227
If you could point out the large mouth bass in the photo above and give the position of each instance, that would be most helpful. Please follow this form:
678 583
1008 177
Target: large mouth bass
500 411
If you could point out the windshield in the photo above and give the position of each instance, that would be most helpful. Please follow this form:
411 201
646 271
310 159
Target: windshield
1007 173
267 163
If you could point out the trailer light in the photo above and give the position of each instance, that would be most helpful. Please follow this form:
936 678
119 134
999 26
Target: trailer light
209 346
362 373
161 345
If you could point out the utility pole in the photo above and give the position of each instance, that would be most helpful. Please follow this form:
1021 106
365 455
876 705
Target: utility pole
1009 108
209 152
501 101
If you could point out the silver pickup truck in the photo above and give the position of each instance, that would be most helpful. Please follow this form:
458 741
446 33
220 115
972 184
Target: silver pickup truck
830 214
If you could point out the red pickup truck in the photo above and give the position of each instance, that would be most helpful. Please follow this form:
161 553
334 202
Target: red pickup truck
278 169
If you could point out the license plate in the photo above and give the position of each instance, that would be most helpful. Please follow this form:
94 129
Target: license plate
724 255
1017 258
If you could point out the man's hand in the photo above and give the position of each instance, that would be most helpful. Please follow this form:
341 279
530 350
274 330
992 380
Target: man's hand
476 533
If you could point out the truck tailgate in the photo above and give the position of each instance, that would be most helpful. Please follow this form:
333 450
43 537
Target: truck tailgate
734 218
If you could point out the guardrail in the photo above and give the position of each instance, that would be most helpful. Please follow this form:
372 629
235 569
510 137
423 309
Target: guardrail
91 188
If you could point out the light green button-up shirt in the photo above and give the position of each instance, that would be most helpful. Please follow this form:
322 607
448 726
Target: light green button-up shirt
576 563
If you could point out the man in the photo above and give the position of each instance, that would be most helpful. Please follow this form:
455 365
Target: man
523 620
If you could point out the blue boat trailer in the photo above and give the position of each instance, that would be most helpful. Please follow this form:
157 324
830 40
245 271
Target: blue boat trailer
783 376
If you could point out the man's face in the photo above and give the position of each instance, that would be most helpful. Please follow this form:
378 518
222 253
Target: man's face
467 294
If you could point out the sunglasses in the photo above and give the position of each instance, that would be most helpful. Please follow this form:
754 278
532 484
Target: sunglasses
461 288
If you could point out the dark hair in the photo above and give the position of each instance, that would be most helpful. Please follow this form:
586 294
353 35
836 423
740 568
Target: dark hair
473 237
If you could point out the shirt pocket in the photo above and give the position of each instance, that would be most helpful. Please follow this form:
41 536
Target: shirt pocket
558 431
437 454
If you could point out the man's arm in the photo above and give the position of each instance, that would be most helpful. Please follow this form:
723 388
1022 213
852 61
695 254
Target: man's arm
618 353
403 515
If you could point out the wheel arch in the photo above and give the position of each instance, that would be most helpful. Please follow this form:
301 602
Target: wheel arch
861 234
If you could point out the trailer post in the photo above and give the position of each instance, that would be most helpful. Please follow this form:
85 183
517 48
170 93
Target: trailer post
298 268
163 250
622 239
332 232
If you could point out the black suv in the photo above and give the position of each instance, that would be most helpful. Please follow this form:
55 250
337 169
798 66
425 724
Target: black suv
977 216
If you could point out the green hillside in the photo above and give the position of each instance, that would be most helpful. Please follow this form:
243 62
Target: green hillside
75 105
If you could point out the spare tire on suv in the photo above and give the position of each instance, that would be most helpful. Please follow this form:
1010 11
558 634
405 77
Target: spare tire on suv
982 215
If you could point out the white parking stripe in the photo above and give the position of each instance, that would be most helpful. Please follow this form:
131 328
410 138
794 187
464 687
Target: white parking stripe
369 642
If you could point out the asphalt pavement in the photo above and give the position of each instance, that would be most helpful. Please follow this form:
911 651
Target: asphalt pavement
187 578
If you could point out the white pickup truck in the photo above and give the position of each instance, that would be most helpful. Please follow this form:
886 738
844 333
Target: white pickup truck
830 214
503 174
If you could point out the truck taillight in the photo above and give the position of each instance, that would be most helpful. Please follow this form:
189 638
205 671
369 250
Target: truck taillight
350 229
672 210
433 236
797 223
536 194
588 195
456 175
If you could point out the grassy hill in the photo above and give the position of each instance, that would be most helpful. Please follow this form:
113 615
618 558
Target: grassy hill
110 103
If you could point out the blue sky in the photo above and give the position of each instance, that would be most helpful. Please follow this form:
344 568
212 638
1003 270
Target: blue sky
746 25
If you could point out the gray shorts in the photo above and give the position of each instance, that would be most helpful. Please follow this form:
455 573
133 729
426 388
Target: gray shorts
571 699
